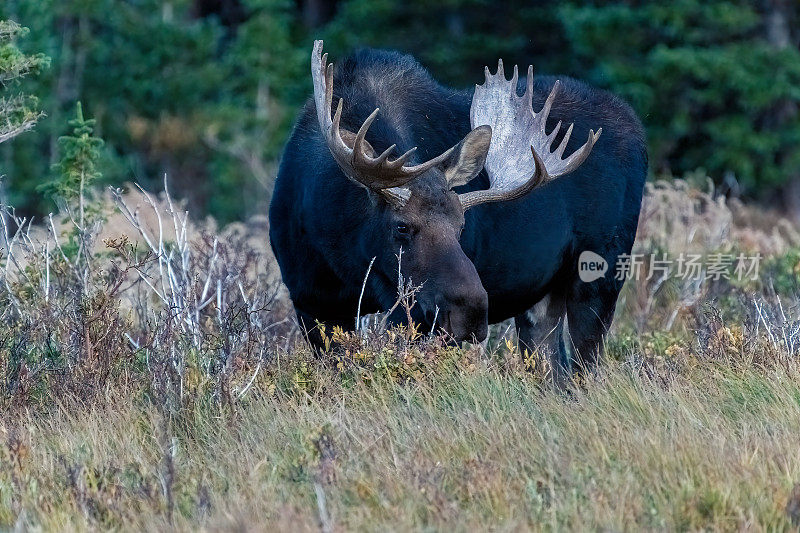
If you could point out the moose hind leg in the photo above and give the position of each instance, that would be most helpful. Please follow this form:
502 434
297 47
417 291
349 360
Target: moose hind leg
541 330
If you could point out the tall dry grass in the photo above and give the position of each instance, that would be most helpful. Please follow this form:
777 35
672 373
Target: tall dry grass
465 449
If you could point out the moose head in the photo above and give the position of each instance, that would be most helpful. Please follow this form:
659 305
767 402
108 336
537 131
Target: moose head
414 207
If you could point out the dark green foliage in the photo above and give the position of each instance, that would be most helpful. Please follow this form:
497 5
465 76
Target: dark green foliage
714 92
147 71
457 38
712 88
72 187
267 65
18 112
77 170
782 272
717 82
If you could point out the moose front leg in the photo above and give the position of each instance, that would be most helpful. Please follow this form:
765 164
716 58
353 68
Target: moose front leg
312 331
541 330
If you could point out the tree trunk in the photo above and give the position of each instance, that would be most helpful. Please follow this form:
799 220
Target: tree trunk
779 33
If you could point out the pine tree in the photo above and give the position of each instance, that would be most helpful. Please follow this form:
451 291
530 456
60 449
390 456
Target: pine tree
716 82
705 79
77 169
257 109
152 72
71 189
18 112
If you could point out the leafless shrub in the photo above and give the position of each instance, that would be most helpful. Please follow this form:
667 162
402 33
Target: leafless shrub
203 304
197 313
677 218
193 310
775 327
766 231
59 309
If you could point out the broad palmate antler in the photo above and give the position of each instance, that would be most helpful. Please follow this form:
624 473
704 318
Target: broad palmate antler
520 157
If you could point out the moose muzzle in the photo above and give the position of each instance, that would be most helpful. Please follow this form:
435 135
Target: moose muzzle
457 299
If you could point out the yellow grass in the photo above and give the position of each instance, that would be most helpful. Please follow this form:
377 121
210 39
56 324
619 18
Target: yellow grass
715 448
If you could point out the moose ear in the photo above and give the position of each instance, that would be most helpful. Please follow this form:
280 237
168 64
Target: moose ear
468 157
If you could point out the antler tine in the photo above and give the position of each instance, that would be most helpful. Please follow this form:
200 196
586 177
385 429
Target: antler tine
319 76
327 72
358 161
386 153
552 135
398 163
519 130
337 119
555 165
529 89
359 150
542 115
561 147
579 156
539 176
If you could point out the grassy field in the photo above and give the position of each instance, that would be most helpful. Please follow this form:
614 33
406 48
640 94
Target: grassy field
152 380
713 448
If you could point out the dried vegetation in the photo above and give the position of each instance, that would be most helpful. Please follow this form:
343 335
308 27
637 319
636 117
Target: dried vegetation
152 378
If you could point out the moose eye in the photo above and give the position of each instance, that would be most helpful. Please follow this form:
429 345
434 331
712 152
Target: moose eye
403 229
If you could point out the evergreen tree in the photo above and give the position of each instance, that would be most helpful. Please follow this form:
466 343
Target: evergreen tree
18 112
152 74
705 80
207 91
455 39
77 170
268 63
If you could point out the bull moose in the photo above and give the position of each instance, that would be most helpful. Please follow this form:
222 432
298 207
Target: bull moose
490 215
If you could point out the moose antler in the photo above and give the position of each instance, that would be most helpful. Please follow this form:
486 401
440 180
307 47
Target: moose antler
352 152
519 158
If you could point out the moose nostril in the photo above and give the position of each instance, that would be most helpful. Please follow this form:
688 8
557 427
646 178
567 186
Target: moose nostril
482 332
466 318
445 323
